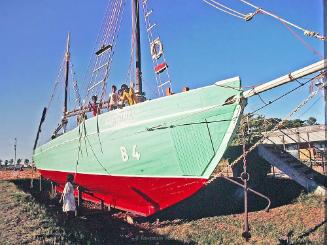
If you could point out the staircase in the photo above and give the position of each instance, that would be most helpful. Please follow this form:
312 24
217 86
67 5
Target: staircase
295 169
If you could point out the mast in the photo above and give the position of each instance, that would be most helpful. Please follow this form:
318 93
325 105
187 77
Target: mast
67 60
136 36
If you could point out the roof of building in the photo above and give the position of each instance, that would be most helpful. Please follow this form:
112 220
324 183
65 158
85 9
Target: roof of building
312 133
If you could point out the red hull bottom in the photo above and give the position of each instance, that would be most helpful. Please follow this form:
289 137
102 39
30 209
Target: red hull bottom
140 195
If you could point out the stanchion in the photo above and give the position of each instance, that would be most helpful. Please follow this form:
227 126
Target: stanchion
79 200
245 178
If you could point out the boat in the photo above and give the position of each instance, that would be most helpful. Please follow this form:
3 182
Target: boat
149 156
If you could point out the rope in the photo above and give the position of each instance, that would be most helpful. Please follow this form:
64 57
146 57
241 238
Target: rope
225 9
285 94
305 31
109 35
57 81
187 124
309 108
227 86
249 16
155 62
95 46
88 141
213 177
307 45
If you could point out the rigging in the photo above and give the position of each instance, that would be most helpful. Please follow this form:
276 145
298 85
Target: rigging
249 16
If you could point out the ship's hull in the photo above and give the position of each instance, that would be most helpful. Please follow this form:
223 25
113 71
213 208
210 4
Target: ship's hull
140 195
149 156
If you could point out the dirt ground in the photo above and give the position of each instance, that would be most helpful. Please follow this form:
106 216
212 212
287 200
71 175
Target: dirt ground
26 173
213 216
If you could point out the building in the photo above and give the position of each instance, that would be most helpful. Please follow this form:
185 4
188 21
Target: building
308 143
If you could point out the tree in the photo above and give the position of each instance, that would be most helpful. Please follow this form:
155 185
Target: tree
26 161
258 124
11 161
293 123
19 160
311 121
1 161
6 162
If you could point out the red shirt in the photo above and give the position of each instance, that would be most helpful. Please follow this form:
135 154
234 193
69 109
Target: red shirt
94 108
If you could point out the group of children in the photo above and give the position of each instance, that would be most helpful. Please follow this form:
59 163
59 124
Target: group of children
117 99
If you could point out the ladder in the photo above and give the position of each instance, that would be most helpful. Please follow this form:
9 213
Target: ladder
160 64
103 56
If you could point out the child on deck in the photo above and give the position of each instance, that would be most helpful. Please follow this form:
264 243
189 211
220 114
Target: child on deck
113 98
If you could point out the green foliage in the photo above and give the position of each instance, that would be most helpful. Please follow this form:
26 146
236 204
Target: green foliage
311 121
254 126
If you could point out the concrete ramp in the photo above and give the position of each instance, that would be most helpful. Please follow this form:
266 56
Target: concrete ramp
295 169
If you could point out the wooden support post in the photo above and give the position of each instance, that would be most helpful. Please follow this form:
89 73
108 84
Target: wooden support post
323 161
79 201
79 196
52 187
40 183
309 146
298 145
273 169
283 139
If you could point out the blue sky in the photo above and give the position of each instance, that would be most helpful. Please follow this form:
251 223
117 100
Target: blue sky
202 45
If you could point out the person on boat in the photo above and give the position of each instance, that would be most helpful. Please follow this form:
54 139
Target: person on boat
128 95
113 98
81 118
94 105
120 103
185 89
67 197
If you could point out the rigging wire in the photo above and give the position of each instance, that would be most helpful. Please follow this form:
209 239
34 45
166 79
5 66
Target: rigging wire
165 75
57 81
224 9
287 93
310 107
107 36
299 106
95 46
249 16
305 44
305 31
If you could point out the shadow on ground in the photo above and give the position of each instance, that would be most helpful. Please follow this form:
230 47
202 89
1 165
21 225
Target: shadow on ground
223 198
92 226
218 198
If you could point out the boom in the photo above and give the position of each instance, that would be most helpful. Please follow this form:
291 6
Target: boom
318 66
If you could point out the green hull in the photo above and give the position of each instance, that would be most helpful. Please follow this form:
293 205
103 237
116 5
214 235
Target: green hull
184 134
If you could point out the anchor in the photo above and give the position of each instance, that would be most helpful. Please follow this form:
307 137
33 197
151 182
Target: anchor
245 176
